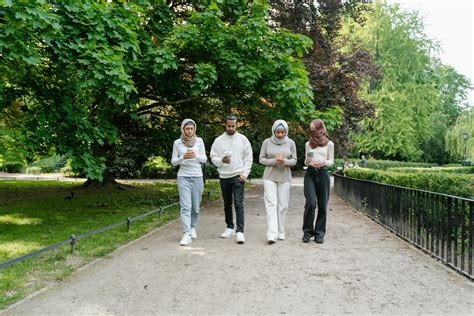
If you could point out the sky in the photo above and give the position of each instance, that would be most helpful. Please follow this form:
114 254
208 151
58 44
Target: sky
451 23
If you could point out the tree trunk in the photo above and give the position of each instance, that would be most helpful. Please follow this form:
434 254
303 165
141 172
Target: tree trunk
108 178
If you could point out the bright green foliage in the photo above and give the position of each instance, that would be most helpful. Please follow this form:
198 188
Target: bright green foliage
460 170
98 78
455 143
416 96
452 184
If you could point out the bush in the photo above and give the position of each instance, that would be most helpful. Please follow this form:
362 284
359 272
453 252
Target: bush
452 184
12 166
50 164
460 170
256 171
158 168
33 170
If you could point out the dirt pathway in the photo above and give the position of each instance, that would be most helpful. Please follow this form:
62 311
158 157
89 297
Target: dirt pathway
360 269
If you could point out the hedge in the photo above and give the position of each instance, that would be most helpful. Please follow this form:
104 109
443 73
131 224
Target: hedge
460 170
453 184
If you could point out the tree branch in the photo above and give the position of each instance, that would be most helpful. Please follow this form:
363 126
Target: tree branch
163 101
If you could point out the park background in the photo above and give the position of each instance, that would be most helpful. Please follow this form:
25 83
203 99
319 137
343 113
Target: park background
97 91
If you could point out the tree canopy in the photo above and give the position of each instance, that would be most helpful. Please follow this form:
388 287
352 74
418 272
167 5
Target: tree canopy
418 96
98 79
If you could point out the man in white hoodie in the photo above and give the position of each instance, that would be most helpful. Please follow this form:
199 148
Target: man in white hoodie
231 153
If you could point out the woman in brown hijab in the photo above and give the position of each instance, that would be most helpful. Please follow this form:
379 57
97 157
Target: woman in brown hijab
319 152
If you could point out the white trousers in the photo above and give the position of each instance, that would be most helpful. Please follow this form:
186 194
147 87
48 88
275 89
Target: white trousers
277 195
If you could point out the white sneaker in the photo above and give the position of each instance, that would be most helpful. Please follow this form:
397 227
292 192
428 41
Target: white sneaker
186 240
271 240
227 233
193 233
240 238
281 236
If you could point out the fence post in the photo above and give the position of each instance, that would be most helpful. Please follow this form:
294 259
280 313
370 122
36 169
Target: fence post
161 211
129 223
73 244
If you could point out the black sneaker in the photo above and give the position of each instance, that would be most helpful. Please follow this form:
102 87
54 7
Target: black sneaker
319 240
306 238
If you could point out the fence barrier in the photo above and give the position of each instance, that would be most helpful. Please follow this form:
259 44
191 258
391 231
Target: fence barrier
439 224
73 239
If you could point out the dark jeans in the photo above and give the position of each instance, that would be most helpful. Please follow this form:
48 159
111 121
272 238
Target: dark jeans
232 187
316 193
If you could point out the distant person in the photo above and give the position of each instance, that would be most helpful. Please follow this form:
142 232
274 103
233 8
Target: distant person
189 153
319 152
363 162
277 154
231 153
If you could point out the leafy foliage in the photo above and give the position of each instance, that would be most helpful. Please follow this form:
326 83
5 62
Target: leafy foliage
453 184
107 83
336 76
417 95
455 143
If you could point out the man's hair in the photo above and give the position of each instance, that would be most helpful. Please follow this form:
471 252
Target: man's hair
230 117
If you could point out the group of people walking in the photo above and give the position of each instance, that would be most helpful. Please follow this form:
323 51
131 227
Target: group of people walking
231 153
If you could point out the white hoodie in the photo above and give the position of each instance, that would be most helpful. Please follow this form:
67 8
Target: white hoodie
241 158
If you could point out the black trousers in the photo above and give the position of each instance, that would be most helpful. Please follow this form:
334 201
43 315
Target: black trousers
233 191
316 193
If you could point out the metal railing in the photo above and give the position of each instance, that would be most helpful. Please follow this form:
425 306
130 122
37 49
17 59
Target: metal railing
439 224
73 239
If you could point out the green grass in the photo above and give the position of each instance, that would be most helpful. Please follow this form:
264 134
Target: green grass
34 214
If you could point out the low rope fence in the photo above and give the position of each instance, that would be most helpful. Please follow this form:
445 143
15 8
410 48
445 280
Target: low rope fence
73 238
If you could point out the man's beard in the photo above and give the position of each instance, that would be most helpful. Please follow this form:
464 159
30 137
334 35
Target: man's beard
230 132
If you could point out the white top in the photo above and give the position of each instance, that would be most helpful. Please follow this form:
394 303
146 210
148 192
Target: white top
189 167
321 153
236 146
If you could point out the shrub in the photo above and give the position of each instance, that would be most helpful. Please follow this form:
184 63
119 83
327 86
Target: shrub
158 168
33 170
50 164
12 166
453 184
460 170
256 171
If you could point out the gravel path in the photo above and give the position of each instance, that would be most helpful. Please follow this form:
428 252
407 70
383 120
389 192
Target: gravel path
360 269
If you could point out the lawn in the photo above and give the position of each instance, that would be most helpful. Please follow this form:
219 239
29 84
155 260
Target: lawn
35 214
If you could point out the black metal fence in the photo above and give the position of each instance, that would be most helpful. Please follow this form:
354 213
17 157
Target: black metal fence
73 239
440 224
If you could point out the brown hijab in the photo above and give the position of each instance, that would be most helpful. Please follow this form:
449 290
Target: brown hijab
318 136
188 141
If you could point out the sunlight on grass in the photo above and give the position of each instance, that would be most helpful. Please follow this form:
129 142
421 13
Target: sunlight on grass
16 219
14 249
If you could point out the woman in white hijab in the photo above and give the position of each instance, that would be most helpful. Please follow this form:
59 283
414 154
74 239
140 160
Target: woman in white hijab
277 154
189 153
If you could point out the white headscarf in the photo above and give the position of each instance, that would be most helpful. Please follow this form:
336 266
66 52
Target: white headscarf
277 124
188 141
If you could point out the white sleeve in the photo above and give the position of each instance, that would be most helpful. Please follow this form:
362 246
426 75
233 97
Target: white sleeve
330 157
248 157
201 157
216 159
306 149
175 159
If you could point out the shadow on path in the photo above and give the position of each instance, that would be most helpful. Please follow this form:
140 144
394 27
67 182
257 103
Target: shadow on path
361 268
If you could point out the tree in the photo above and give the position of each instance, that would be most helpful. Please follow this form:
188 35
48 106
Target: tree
99 79
336 76
460 138
415 94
